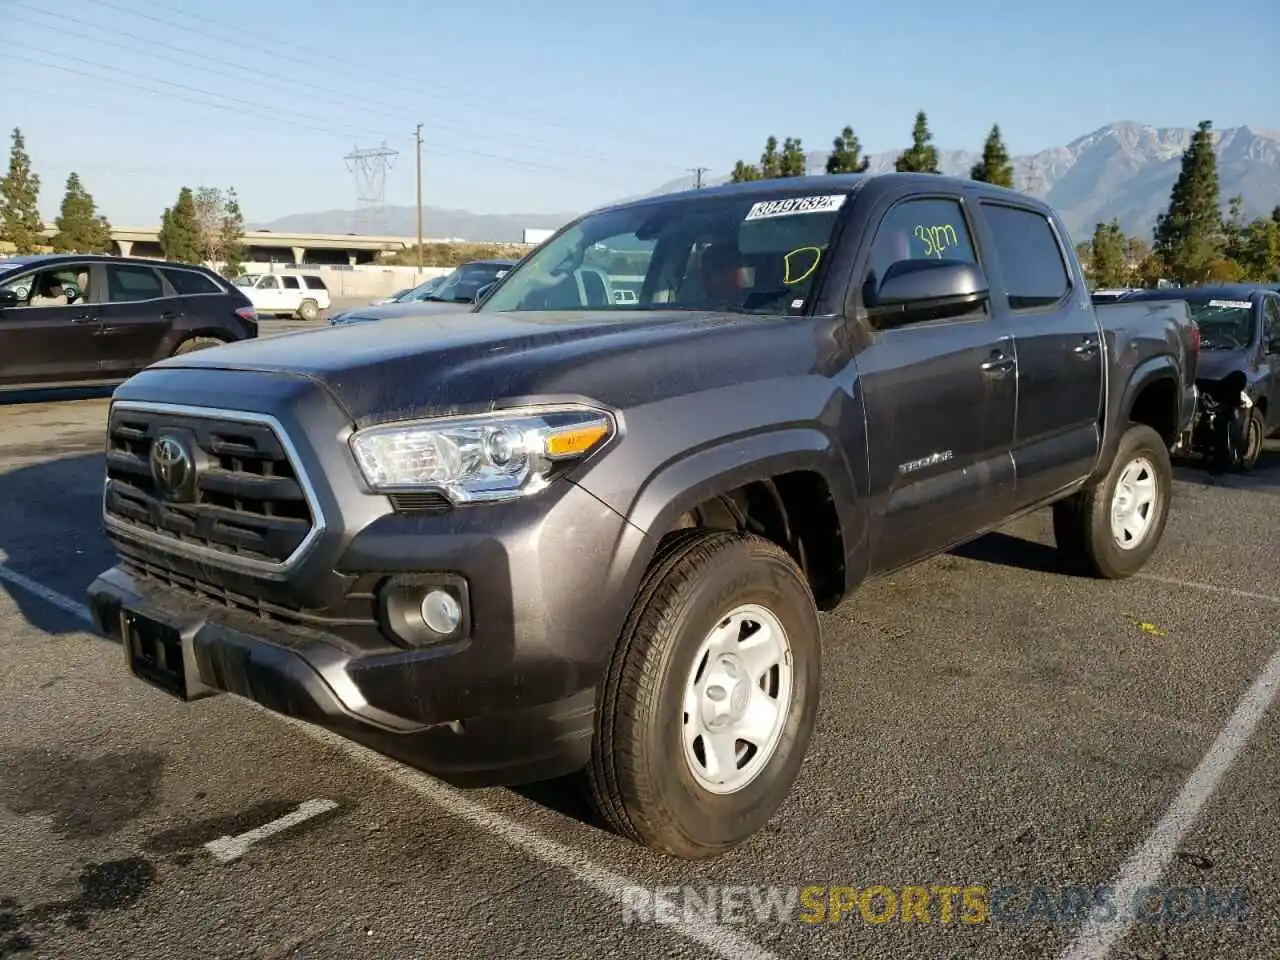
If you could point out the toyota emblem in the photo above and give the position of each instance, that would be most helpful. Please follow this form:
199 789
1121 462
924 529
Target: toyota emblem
171 467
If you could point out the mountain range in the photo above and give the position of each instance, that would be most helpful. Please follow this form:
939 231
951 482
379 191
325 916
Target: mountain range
1123 171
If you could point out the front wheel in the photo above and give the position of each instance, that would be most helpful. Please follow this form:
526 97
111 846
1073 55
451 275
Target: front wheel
711 697
1113 526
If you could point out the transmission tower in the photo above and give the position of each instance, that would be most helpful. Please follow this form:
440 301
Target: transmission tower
370 168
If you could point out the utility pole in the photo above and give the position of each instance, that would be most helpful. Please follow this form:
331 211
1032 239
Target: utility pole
418 137
698 172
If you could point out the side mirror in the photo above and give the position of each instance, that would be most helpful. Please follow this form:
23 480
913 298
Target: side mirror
8 298
916 290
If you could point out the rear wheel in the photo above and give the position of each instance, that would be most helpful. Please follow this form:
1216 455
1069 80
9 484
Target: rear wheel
1112 527
711 698
197 343
308 310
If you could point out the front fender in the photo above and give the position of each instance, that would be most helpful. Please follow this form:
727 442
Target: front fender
681 484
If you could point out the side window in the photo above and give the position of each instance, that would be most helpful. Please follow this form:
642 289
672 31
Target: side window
1035 274
125 284
1273 324
925 229
268 283
188 282
314 283
289 283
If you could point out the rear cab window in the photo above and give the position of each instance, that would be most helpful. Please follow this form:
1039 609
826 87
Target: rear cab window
1030 256
762 251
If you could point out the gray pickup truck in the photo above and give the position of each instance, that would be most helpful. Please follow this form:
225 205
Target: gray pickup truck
558 535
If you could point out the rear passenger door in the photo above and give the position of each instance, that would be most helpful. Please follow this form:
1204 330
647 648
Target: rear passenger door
1059 348
139 311
939 395
291 292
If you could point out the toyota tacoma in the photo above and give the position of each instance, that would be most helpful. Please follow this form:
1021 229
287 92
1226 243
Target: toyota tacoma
560 534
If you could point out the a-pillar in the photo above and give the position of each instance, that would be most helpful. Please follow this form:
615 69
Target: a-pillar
299 254
125 247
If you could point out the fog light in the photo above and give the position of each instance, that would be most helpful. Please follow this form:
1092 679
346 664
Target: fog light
441 611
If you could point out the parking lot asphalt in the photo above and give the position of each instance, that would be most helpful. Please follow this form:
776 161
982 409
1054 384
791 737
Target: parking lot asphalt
987 722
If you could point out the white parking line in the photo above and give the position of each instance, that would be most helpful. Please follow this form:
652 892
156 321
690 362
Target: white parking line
62 602
1208 588
226 849
1149 863
717 938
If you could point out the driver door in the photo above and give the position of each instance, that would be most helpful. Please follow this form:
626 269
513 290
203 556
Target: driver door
49 343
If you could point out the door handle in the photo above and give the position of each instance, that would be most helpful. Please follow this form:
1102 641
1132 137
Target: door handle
84 318
1088 348
169 315
999 364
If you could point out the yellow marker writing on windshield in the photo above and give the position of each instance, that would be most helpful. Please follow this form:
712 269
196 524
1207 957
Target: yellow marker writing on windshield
786 261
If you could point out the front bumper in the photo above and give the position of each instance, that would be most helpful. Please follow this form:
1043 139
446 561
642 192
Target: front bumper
200 650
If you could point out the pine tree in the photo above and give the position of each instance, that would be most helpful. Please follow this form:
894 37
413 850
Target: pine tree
180 230
994 167
80 228
922 156
1108 260
1188 236
770 160
846 154
792 162
743 172
232 230
20 222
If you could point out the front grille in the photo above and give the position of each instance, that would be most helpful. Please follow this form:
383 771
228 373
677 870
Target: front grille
247 501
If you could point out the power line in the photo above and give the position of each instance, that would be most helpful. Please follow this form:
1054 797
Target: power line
281 117
368 105
237 38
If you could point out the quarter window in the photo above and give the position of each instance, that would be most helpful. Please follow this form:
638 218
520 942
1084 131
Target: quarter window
190 282
1035 273
133 283
1273 324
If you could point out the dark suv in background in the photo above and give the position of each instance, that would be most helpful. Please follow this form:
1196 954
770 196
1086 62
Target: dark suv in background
93 319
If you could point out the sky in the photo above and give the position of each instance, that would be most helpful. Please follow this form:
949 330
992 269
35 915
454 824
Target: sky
559 107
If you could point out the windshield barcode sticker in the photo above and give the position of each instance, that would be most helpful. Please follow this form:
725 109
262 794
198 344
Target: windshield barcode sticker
795 205
1231 304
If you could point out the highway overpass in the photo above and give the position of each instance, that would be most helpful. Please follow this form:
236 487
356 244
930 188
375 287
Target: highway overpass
268 246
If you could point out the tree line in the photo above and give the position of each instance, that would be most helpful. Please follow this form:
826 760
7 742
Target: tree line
1194 241
204 226
846 157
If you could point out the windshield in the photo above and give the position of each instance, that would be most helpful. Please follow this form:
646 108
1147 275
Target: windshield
758 252
421 290
1224 324
462 285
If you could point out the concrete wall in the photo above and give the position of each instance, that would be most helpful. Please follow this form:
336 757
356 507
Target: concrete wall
364 280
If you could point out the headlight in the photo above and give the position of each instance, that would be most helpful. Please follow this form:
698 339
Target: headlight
496 456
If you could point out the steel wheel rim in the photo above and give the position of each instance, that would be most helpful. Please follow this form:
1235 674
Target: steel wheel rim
1134 503
736 699
1253 440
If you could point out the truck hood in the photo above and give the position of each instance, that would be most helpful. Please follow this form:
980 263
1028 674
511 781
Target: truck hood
459 361
1216 364
391 311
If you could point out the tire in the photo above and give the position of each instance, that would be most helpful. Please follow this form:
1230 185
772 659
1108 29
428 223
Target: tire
308 310
196 343
1248 439
1082 523
641 777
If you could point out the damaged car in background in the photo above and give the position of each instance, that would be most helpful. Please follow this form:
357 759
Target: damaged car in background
1238 371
